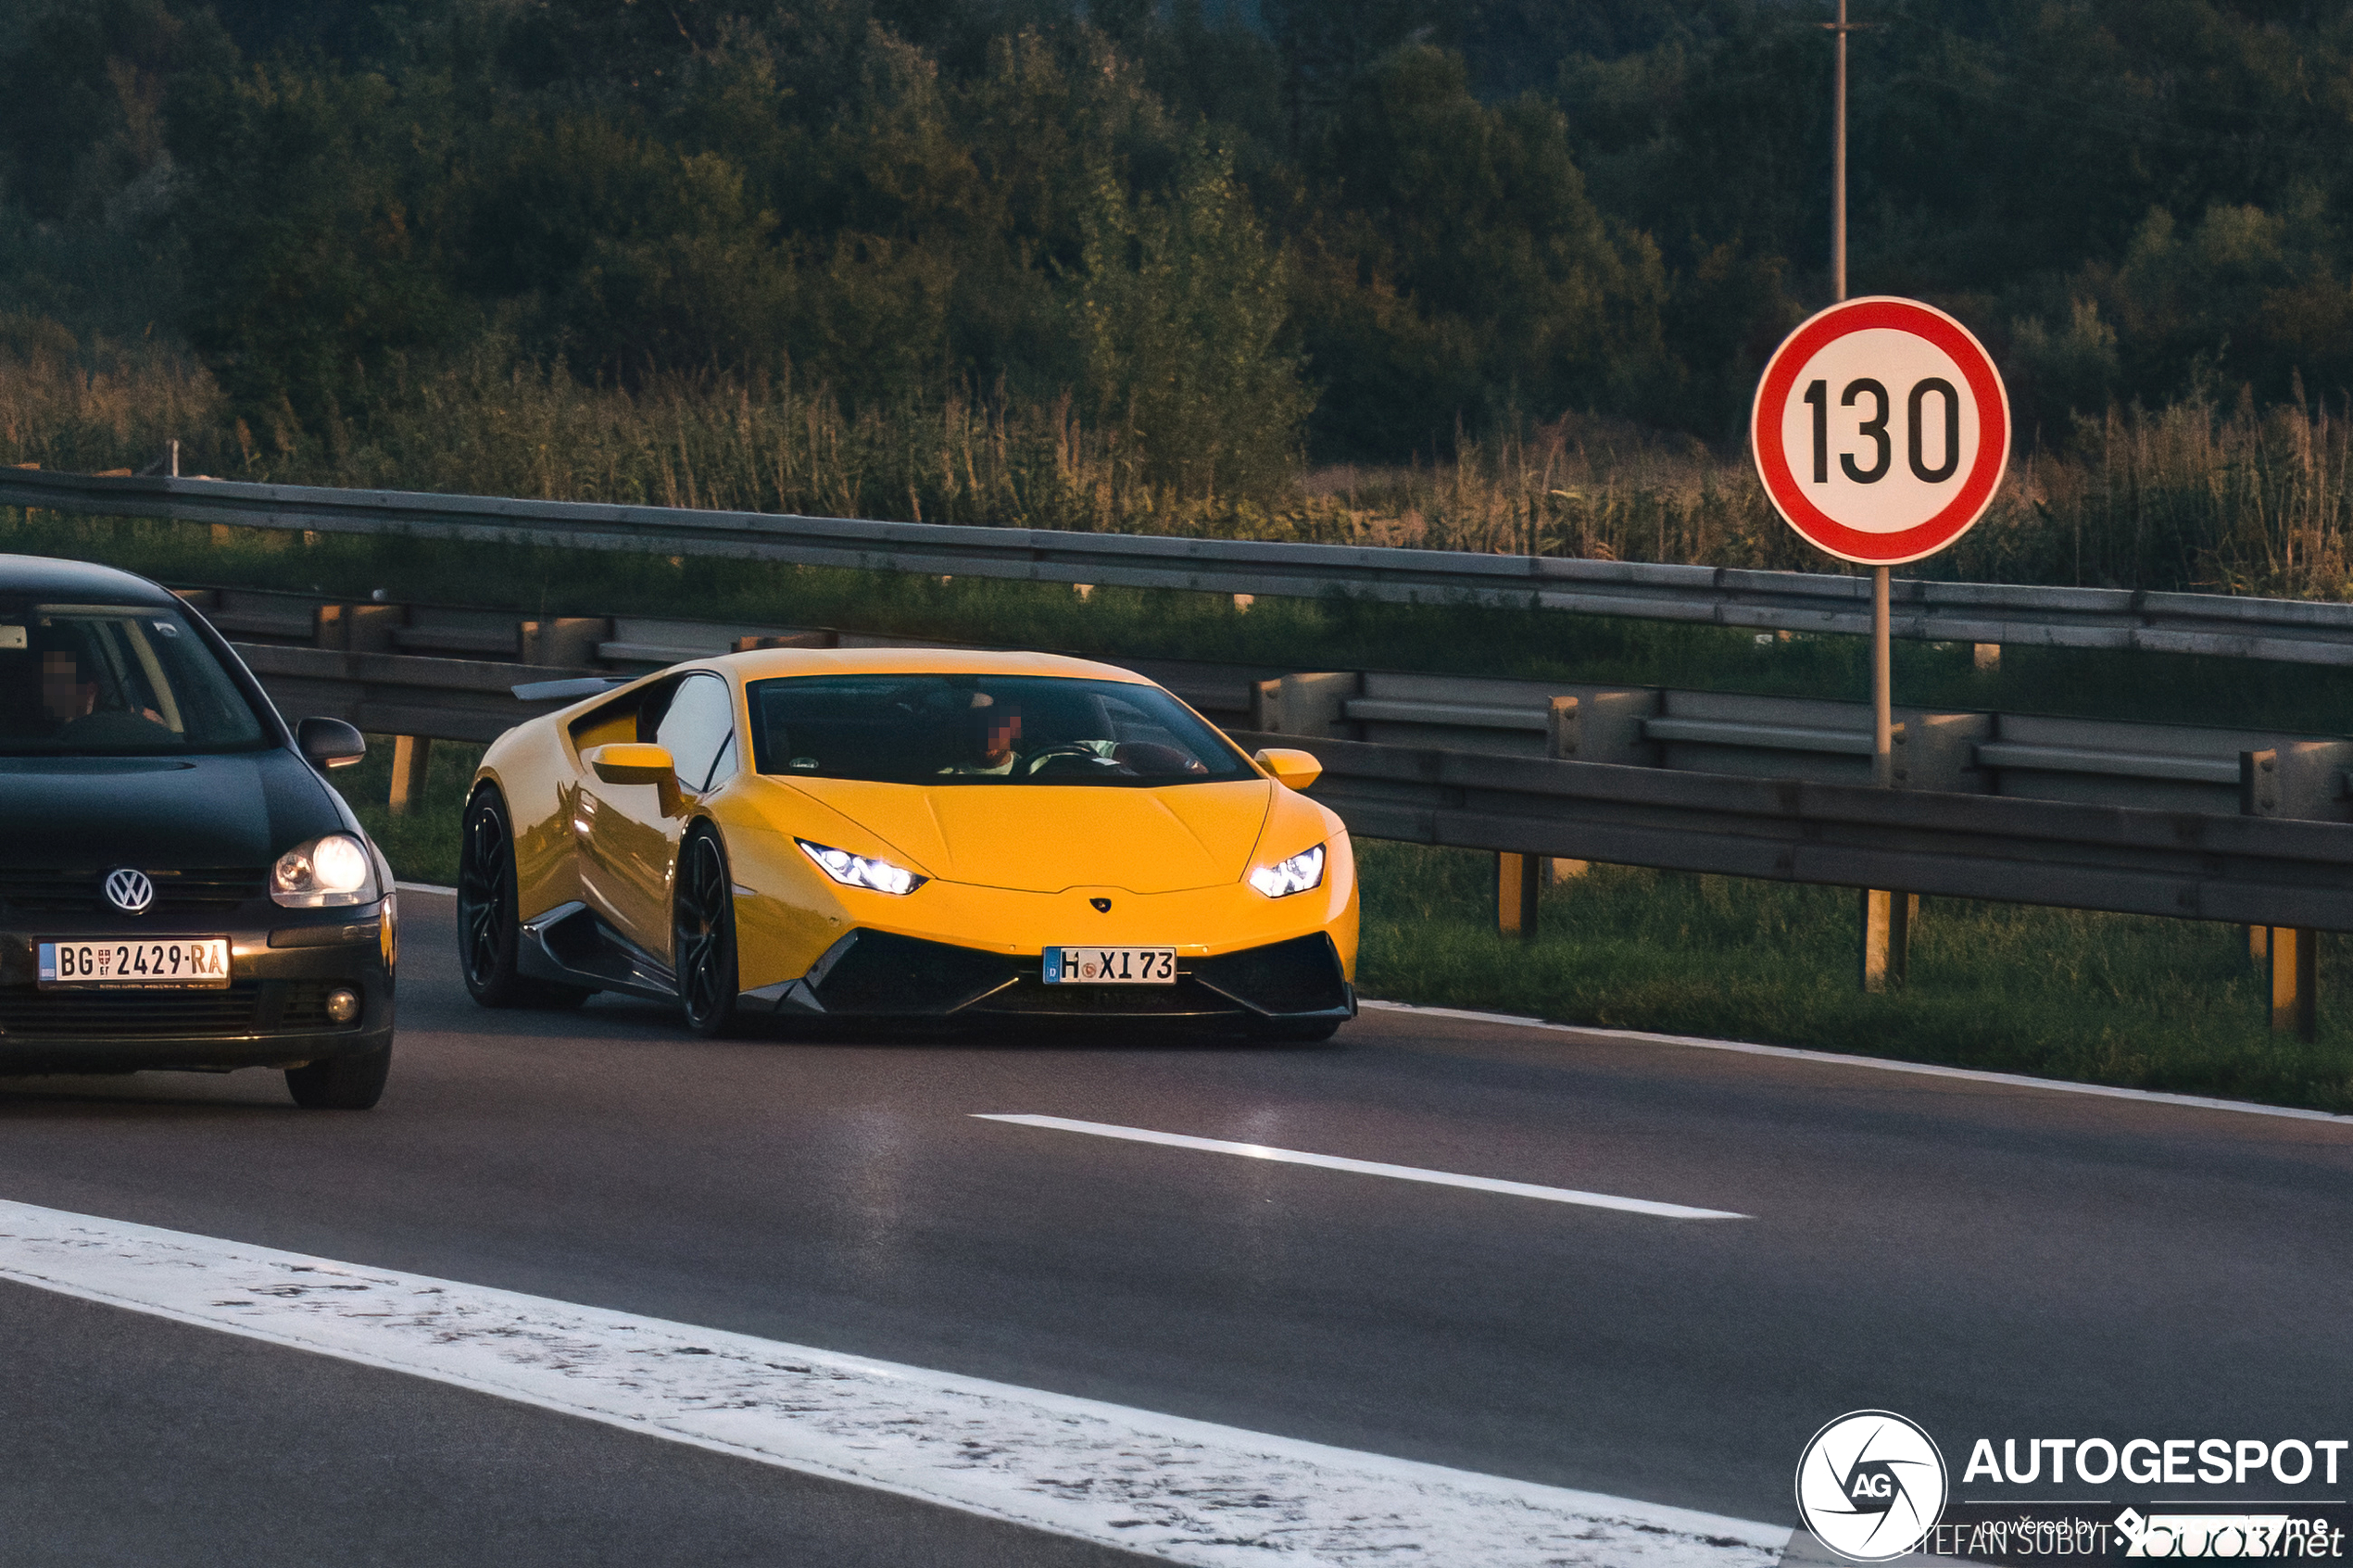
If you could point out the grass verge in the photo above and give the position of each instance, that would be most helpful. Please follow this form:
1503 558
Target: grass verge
2097 998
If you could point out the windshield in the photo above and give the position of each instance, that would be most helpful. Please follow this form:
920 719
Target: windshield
115 680
983 730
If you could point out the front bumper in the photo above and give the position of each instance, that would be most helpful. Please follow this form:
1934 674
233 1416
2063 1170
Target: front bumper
877 974
282 964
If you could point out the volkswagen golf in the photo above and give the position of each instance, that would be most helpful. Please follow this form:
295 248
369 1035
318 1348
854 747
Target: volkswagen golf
180 888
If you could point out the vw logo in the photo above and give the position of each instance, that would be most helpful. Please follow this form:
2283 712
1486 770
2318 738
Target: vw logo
130 891
1870 1485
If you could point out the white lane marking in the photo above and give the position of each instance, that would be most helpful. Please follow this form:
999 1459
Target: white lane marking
425 887
1371 1168
1185 1491
2015 1079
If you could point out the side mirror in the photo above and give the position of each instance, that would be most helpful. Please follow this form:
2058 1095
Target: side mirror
330 743
632 762
1292 770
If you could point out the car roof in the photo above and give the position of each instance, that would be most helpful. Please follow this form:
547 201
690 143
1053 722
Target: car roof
762 663
76 581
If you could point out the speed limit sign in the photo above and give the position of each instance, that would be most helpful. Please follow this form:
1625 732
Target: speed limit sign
1880 430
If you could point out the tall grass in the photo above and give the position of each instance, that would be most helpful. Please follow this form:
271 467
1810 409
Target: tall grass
2197 495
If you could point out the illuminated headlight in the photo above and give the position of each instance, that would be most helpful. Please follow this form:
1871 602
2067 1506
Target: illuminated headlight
1301 872
856 870
324 874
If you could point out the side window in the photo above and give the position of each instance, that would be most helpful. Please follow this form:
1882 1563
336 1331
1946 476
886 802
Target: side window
699 727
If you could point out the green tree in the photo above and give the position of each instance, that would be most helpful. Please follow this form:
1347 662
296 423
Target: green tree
1180 304
1472 241
314 222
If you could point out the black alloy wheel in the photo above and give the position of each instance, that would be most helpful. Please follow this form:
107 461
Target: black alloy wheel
703 934
488 936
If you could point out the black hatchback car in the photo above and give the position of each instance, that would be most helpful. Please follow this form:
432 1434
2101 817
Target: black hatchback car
178 887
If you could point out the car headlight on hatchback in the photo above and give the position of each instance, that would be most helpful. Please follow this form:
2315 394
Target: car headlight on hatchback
324 874
861 870
1302 873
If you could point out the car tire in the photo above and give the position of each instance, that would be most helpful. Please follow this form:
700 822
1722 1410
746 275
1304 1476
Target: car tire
342 1083
703 933
488 933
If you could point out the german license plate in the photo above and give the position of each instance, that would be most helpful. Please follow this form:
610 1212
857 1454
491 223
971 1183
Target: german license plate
192 961
1111 966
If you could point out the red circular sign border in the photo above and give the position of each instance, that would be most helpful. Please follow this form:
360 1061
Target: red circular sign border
1818 527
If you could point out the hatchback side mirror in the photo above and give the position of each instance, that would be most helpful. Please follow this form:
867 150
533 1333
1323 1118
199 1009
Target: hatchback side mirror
1292 770
330 743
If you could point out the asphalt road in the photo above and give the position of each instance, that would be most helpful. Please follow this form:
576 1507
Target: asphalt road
1989 1260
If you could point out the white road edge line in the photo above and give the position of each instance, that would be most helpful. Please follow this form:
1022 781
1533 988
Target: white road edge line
1835 1058
425 887
1185 1491
1369 1168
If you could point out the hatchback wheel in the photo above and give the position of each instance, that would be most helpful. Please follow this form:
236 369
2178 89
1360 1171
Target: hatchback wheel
342 1083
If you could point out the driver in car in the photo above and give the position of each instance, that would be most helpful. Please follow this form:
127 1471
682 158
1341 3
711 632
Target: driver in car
997 748
999 730
73 702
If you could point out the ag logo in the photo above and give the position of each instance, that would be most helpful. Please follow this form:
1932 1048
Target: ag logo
1869 1485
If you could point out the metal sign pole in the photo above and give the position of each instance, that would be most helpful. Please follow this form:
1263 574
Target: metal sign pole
1884 912
1882 679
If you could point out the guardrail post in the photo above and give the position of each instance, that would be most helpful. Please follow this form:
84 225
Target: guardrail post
2295 981
1518 884
1306 705
2289 956
410 755
1887 938
563 640
1561 739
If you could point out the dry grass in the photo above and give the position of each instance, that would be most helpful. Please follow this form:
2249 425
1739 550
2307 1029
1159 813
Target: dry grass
2242 499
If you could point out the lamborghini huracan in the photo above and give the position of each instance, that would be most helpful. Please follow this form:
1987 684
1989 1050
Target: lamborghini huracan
896 834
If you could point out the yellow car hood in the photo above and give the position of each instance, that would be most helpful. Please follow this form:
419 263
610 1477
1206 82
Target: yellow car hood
1045 838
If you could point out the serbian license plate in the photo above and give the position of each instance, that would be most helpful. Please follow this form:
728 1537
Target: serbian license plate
199 962
1111 966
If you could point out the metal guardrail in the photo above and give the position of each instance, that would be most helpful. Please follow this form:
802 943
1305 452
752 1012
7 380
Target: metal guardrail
2246 869
2288 630
2264 871
444 673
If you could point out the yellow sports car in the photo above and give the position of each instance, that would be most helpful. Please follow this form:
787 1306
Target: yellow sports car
901 834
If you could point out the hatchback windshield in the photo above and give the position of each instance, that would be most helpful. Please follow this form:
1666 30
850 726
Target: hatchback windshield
983 730
117 680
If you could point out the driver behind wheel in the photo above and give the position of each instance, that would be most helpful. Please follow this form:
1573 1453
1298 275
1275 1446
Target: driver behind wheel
72 698
995 737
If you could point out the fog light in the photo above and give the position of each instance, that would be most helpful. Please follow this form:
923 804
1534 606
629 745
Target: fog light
342 1004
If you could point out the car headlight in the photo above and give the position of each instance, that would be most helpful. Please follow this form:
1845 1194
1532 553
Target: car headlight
857 871
1301 874
324 874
